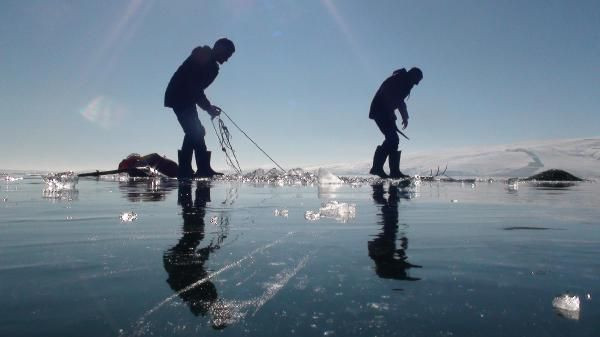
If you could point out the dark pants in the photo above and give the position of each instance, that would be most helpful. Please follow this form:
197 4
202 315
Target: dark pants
193 129
388 128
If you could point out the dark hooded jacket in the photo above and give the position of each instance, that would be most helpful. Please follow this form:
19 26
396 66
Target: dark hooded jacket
195 74
390 96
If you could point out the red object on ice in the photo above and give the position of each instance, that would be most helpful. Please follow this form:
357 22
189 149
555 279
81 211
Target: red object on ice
161 164
132 161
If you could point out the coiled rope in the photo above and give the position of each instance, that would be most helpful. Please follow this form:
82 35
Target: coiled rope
225 141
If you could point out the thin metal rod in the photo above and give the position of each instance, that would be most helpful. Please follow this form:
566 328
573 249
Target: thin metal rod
253 142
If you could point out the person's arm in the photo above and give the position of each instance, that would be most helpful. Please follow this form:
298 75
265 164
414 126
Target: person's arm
403 114
203 102
202 75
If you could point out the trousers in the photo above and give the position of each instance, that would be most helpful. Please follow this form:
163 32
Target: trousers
392 140
193 130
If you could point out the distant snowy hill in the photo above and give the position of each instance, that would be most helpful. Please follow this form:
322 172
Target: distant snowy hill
578 156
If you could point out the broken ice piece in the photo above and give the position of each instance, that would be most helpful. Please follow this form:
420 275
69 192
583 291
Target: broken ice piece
214 220
61 181
282 212
513 181
326 177
311 216
128 216
566 302
338 210
10 179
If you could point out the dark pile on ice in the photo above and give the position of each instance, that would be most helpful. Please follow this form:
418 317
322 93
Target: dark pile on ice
553 175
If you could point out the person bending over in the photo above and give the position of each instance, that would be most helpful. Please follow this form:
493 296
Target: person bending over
390 96
184 92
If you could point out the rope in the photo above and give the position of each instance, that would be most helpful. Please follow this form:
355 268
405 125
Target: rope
253 142
225 141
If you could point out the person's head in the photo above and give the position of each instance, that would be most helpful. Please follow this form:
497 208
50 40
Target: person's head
416 75
223 49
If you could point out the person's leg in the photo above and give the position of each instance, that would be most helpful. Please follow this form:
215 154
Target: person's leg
390 146
193 129
388 128
192 140
381 152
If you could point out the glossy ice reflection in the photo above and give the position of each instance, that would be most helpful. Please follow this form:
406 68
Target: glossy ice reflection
240 258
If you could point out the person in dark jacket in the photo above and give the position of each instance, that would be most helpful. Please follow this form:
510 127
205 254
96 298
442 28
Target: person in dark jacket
389 97
184 92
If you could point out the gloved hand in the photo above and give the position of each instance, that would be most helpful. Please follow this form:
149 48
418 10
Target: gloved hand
404 123
214 111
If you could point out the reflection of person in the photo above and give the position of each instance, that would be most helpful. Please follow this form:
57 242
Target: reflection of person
185 90
184 262
390 96
390 261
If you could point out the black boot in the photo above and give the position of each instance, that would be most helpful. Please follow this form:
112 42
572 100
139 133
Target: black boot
378 161
203 165
184 170
394 163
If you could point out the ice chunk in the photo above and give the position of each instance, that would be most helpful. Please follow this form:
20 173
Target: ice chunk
567 305
10 178
295 172
273 176
214 220
566 302
281 212
311 216
340 211
128 216
326 177
323 177
61 181
513 184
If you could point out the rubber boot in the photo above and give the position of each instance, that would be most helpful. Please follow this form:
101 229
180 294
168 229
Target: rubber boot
394 163
203 165
378 161
184 170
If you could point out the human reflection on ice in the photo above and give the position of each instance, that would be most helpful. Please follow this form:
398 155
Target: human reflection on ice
185 262
146 189
390 261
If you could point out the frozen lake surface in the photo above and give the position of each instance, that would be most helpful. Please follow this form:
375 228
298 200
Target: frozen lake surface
233 259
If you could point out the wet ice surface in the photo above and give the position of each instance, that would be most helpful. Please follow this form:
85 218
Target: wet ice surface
214 258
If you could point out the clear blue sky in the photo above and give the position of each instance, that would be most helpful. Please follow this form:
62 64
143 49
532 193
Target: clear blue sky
82 82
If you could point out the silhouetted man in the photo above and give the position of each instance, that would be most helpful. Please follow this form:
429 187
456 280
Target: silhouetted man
389 97
185 90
